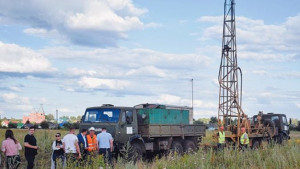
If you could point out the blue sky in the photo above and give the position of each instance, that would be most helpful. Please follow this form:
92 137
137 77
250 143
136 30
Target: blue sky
75 54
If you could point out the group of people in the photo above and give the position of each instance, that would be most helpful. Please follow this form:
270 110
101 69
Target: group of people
69 149
244 138
77 149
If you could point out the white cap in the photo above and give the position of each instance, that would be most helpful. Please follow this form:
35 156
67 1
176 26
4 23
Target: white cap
92 128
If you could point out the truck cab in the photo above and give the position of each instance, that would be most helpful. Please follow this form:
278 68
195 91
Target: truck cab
120 122
279 121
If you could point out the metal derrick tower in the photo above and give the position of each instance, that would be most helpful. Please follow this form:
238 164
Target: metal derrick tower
230 93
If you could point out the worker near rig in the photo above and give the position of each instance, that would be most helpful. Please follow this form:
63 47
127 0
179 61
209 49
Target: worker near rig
221 138
244 140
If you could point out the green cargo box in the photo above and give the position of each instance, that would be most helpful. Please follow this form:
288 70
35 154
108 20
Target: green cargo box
164 116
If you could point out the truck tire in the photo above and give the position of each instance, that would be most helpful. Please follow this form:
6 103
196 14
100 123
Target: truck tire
135 152
176 148
189 146
280 138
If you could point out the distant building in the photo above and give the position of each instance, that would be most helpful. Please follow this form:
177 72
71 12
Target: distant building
34 118
4 123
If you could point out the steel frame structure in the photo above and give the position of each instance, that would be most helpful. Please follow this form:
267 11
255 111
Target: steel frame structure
230 93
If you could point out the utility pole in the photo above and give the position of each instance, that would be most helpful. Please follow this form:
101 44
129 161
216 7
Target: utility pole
192 80
56 115
56 118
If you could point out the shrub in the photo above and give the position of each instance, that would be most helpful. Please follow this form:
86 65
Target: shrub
44 125
12 125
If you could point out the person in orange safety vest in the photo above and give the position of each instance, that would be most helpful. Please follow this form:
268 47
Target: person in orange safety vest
92 141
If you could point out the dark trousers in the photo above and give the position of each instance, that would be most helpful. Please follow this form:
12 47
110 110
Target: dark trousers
106 154
221 146
71 159
84 154
13 162
30 161
244 146
56 157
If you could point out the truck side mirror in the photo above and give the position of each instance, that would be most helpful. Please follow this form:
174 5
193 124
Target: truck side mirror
290 121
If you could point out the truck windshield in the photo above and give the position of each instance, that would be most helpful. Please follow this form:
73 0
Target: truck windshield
102 115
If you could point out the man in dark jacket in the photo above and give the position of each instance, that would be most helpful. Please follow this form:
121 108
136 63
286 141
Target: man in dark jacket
82 142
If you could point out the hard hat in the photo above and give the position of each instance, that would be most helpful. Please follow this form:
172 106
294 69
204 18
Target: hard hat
92 129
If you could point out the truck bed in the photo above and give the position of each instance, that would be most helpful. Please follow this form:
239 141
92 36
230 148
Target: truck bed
165 130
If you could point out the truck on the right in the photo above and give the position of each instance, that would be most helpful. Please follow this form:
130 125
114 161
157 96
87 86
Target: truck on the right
278 124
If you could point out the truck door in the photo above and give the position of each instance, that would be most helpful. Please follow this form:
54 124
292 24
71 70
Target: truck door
127 126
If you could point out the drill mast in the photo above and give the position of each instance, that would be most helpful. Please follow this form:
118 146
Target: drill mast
230 93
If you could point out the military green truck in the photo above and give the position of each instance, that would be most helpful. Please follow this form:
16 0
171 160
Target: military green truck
279 126
147 128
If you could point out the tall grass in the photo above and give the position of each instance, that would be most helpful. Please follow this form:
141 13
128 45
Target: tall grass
272 156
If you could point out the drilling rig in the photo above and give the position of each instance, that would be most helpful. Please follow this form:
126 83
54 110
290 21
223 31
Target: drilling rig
230 112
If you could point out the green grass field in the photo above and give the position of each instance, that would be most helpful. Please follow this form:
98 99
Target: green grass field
276 156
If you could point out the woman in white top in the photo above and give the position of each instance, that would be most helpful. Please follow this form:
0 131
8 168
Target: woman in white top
58 152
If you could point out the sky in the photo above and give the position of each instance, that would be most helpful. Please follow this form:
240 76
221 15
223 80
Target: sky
73 54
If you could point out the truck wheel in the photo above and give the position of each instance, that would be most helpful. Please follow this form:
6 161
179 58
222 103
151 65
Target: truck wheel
189 146
255 144
135 152
177 148
280 138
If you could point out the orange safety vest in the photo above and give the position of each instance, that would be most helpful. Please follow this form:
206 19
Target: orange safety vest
92 143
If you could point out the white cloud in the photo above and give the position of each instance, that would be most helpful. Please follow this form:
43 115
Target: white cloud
38 31
199 114
202 108
132 57
257 40
17 102
65 110
14 88
169 99
260 72
96 83
9 96
80 72
211 19
147 71
291 75
176 100
92 17
153 25
89 22
18 59
13 98
298 105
